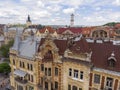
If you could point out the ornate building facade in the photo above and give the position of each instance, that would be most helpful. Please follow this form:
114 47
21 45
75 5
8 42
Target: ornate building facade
62 64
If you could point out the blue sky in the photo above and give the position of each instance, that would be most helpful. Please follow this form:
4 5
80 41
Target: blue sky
57 12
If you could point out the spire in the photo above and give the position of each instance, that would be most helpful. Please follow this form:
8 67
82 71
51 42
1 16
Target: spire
28 19
72 20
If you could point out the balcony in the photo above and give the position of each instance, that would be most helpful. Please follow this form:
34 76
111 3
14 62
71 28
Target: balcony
20 80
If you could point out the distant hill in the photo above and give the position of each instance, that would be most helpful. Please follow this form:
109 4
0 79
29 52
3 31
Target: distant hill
111 24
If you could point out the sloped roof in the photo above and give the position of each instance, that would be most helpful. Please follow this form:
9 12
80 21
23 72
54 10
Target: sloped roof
80 46
72 29
28 48
61 45
50 29
101 52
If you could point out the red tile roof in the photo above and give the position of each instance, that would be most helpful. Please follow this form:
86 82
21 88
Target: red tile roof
50 29
75 30
117 25
101 53
61 45
80 46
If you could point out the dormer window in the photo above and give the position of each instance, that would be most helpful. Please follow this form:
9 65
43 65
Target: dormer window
112 60
111 63
48 55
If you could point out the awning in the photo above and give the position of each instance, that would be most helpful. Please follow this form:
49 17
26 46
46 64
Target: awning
20 73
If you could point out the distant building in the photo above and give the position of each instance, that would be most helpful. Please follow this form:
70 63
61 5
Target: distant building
28 21
72 20
45 31
10 32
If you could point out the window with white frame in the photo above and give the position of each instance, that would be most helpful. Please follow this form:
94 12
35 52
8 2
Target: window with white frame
70 72
81 75
75 73
96 78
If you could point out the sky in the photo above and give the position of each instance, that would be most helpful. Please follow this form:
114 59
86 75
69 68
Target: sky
57 12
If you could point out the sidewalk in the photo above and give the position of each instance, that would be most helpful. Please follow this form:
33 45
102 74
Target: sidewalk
4 83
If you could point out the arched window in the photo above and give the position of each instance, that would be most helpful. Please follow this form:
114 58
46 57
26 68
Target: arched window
74 88
48 55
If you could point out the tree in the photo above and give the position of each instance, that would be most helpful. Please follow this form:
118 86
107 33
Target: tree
111 24
4 68
4 49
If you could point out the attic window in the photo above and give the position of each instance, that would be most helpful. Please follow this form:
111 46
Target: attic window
78 48
48 55
112 60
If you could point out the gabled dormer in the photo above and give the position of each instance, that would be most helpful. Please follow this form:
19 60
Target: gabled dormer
48 51
112 60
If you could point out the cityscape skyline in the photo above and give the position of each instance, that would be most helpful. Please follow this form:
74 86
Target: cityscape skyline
57 12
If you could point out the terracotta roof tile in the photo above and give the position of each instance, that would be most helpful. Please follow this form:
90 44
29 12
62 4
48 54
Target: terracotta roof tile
50 29
101 53
72 29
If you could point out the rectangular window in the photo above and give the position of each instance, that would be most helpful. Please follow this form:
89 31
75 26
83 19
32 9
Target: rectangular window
56 85
20 64
46 85
31 78
75 73
41 81
96 78
13 62
49 71
109 83
31 88
46 71
31 67
69 87
28 66
74 88
23 65
70 72
81 75
56 71
19 87
42 67
80 88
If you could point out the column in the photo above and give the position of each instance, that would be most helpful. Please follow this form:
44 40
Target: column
116 84
90 82
49 86
102 82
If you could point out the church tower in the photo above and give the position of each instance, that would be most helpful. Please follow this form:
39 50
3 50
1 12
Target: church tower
28 21
72 20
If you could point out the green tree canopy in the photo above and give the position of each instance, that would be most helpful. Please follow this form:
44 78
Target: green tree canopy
4 49
111 24
4 68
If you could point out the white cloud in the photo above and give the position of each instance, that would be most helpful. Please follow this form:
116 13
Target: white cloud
55 11
117 2
54 8
69 10
40 4
42 13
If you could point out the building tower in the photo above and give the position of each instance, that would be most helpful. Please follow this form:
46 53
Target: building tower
28 21
72 20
